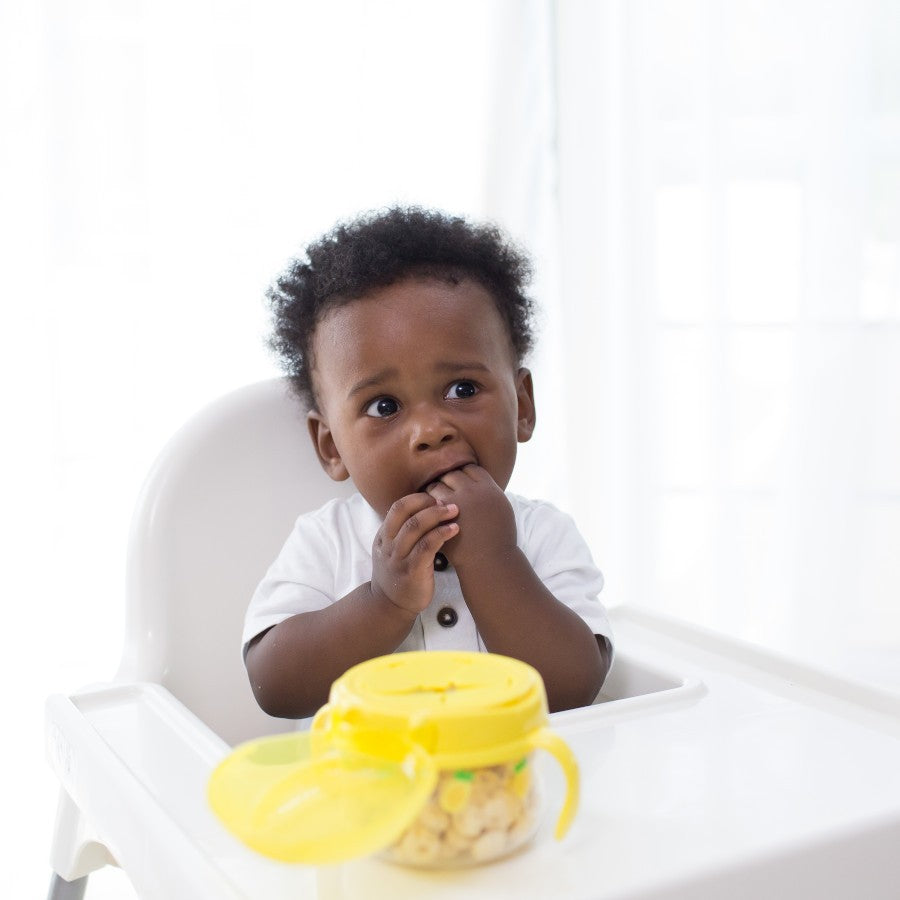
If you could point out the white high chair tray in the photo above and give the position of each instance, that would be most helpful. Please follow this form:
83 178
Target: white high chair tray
715 770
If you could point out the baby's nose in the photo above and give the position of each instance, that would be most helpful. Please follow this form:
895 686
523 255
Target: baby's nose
430 429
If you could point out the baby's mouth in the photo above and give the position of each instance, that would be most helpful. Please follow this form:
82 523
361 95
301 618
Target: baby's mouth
436 478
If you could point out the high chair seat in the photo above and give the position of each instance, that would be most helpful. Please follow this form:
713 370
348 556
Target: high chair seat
709 769
213 514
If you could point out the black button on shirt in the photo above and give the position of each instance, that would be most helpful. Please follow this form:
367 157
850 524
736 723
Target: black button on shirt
440 562
447 617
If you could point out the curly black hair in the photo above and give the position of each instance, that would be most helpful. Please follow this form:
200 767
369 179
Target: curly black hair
378 249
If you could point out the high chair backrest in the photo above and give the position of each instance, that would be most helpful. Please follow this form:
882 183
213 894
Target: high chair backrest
215 510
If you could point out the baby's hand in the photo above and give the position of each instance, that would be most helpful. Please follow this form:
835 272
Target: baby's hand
413 531
487 524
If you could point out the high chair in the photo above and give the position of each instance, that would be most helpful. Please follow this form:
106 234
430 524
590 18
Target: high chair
710 768
213 514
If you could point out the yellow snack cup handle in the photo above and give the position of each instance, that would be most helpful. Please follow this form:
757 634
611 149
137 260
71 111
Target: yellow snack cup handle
544 739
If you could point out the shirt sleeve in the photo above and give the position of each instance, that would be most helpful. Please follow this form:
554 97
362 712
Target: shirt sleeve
562 560
300 580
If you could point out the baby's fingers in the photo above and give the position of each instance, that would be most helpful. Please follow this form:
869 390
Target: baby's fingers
421 525
421 557
402 510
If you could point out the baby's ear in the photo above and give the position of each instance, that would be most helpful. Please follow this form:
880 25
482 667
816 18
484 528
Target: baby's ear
525 396
326 450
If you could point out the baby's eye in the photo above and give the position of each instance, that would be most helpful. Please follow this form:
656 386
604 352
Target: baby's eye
382 407
460 390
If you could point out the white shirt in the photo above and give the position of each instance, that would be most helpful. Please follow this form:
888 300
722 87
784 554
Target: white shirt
329 553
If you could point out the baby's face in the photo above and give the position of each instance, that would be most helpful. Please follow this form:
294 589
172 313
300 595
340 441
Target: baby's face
413 380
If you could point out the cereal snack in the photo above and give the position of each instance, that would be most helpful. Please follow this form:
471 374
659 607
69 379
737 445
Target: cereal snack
473 816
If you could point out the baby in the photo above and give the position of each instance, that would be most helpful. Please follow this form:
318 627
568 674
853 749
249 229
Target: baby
404 334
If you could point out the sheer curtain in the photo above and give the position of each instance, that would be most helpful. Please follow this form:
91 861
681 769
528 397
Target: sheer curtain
730 254
159 163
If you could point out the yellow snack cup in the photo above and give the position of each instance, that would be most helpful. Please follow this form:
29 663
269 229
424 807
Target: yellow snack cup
425 756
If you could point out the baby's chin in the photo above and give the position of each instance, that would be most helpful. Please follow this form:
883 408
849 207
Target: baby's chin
382 506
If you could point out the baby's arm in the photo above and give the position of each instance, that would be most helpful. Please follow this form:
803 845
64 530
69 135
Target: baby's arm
293 664
515 613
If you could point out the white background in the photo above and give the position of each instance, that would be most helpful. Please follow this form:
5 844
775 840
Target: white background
711 192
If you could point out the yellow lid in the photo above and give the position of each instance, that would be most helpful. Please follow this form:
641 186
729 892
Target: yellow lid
465 709
289 804
362 775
